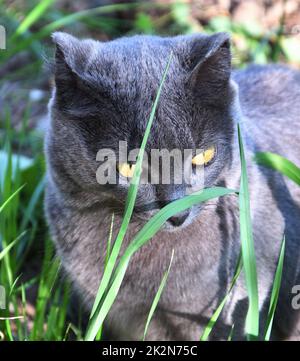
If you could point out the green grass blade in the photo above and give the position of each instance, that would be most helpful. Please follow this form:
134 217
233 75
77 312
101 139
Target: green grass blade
26 285
231 333
109 240
216 314
99 334
49 274
33 203
79 15
275 292
279 163
101 10
12 288
157 296
63 310
248 253
8 330
11 198
130 201
157 221
24 303
69 19
33 16
5 251
67 332
147 232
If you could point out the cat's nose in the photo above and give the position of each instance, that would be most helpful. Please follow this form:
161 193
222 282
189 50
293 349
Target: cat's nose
179 218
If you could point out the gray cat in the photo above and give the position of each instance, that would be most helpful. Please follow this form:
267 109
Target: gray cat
103 94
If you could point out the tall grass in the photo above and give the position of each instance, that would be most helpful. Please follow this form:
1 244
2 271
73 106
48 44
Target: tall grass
211 323
247 256
279 163
248 252
19 221
275 293
157 296
292 171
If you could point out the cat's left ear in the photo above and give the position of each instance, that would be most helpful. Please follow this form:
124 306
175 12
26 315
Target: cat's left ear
210 62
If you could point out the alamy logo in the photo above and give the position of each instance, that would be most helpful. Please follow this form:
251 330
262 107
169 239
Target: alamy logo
2 37
296 298
2 298
160 166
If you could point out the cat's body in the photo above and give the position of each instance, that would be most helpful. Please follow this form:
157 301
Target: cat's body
205 249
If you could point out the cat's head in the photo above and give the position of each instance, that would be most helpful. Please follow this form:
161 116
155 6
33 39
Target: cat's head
104 93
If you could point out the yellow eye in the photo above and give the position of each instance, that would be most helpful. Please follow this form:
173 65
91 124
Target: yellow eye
126 169
205 157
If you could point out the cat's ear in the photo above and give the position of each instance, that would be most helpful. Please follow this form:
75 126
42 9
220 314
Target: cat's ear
71 56
210 65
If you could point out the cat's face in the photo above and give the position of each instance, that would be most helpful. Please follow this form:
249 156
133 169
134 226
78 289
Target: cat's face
104 95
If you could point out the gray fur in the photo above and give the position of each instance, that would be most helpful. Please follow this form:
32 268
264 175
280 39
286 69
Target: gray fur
104 93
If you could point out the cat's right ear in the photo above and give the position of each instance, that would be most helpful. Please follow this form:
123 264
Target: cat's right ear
68 55
71 59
